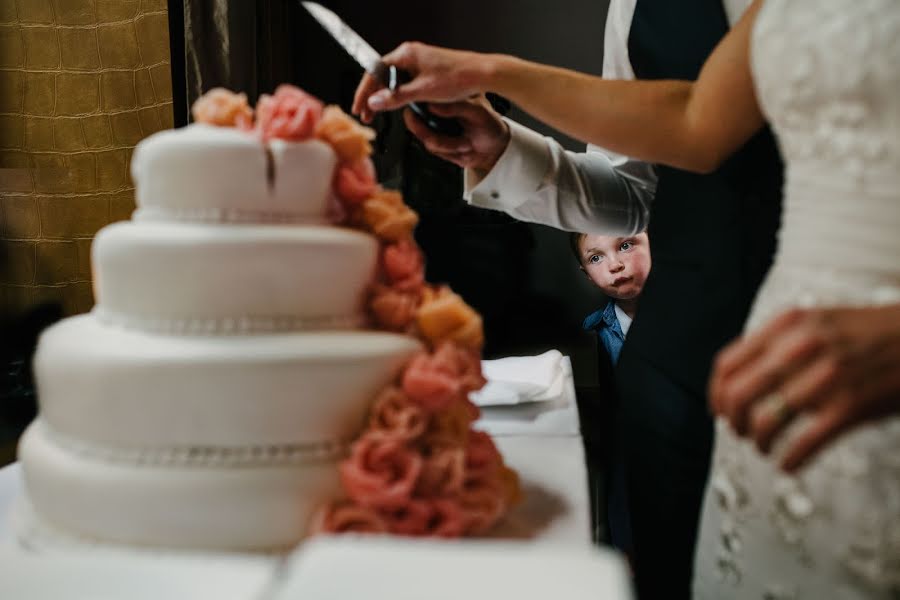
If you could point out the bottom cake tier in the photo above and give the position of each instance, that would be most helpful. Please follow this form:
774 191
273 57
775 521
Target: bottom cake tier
202 502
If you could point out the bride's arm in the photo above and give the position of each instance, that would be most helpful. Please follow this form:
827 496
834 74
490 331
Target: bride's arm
691 125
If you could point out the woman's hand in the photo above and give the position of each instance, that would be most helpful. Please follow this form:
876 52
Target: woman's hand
438 75
839 365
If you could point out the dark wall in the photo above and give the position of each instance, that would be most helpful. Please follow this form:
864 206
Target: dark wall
521 277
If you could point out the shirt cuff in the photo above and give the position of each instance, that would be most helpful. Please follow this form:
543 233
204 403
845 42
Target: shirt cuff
519 173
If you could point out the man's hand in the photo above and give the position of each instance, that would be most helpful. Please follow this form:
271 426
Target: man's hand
839 365
485 134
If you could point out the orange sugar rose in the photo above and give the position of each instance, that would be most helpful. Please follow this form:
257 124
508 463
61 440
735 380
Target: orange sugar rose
512 488
452 425
350 140
380 472
223 108
392 309
386 215
347 517
444 316
395 416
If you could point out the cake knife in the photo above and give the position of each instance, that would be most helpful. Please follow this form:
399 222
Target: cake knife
370 60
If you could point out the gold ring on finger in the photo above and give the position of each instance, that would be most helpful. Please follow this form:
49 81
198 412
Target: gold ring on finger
775 405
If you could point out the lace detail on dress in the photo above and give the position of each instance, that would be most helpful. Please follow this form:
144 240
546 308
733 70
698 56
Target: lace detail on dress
827 74
822 69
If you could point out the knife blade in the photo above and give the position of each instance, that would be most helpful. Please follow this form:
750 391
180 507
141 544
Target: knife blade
370 60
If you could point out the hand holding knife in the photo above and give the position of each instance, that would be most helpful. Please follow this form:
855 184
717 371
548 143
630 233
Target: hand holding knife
370 60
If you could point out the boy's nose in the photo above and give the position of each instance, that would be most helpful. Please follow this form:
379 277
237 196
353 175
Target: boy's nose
616 266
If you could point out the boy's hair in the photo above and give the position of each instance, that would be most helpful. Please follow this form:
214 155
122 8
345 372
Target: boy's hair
575 245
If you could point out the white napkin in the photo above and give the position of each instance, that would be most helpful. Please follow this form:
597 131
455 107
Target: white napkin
519 379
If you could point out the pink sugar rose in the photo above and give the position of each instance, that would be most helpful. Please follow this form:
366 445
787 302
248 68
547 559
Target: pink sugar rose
449 520
392 309
380 473
443 472
483 460
464 361
290 114
394 416
354 182
437 380
483 502
223 108
430 385
347 517
451 426
335 211
403 265
413 518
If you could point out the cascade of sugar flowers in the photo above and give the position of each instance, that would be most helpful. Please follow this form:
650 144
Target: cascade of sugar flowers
418 467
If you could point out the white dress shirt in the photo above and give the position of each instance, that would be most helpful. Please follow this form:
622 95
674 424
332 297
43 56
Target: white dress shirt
596 191
624 320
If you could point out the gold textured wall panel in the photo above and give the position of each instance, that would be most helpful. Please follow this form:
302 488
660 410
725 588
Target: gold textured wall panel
81 82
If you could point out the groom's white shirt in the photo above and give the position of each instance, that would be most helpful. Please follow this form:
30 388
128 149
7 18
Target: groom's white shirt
596 191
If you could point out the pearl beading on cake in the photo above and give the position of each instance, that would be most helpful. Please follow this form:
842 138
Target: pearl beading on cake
225 215
228 325
201 456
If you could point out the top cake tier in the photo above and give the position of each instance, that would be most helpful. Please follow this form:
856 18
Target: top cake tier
222 174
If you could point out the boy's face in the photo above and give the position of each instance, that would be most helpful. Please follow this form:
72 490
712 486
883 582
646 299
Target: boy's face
617 265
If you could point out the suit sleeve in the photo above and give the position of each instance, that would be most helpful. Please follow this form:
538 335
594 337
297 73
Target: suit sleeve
596 191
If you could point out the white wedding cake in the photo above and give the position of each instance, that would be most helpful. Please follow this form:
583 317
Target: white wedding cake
206 401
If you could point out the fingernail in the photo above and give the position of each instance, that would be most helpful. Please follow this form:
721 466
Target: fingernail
377 100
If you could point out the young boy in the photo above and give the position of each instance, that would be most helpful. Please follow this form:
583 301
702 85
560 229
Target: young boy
619 267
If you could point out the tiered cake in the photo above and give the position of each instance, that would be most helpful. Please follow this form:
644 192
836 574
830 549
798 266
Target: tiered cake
208 398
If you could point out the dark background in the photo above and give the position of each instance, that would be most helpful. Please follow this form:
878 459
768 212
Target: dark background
521 277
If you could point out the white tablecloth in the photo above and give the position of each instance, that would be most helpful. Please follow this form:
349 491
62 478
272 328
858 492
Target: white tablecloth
541 441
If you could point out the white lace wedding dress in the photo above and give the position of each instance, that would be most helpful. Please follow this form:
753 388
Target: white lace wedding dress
828 78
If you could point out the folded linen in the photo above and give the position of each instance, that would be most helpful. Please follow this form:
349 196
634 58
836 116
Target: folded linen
519 379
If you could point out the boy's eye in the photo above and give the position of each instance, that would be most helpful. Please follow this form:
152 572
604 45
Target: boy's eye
626 245
595 259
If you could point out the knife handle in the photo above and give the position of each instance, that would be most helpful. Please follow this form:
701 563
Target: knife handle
442 125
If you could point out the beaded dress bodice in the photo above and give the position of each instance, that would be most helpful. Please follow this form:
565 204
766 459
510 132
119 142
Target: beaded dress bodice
827 75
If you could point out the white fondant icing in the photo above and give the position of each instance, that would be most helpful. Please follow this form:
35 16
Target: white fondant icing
199 169
156 428
214 508
153 273
138 390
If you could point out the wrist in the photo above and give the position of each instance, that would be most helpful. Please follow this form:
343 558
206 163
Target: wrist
496 71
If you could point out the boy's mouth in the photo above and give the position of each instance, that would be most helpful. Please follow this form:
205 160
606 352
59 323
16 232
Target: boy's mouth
620 280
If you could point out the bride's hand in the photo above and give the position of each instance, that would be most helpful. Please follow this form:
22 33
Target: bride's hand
438 75
839 365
